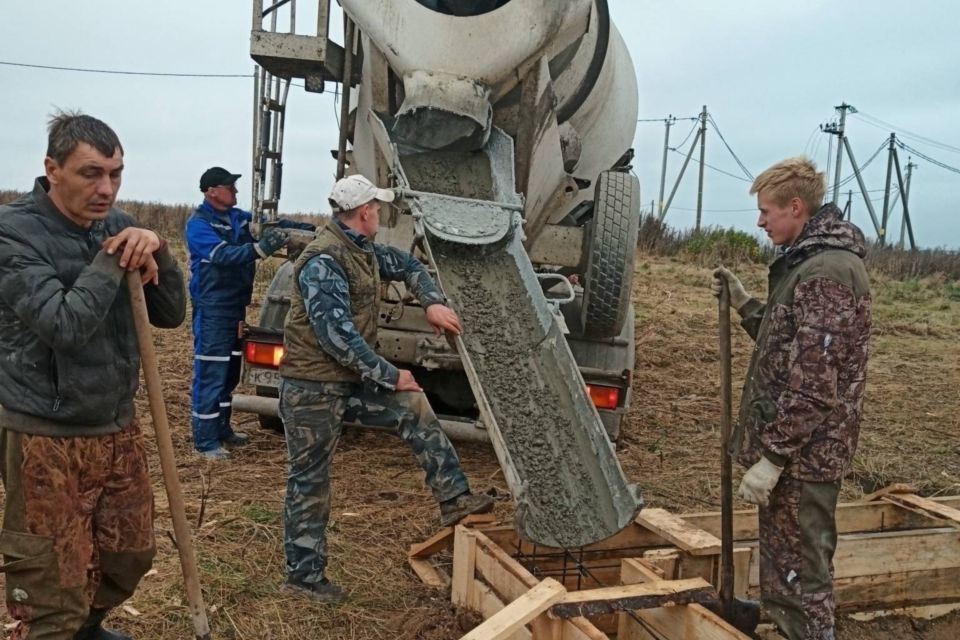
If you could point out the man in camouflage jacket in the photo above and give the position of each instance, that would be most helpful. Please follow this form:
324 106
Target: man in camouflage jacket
331 374
78 520
803 397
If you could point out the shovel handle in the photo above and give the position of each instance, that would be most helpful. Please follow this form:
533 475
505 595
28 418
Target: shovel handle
171 481
726 464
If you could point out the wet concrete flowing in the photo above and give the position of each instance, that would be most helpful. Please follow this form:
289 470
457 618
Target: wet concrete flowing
572 491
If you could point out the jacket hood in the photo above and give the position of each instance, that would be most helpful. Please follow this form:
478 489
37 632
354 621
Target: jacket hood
826 230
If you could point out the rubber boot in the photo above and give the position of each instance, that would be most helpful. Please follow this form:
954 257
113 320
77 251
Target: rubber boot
92 628
456 509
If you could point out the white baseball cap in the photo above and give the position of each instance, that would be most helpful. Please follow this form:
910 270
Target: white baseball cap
352 191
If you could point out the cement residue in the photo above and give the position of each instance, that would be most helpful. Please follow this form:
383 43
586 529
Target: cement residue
456 173
566 500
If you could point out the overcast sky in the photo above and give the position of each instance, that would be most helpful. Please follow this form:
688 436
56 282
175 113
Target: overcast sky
769 72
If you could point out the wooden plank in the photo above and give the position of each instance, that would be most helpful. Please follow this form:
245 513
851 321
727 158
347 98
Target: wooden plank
741 570
865 554
934 509
436 543
897 487
666 560
486 602
897 590
464 565
505 623
635 570
852 517
685 622
636 596
428 573
679 532
505 583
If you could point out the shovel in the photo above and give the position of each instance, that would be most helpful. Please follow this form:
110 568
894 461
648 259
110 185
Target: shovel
171 481
743 614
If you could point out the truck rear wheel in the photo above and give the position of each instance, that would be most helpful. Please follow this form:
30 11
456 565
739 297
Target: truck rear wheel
611 253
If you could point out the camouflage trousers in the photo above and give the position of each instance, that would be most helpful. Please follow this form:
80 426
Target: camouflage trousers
77 527
798 536
313 416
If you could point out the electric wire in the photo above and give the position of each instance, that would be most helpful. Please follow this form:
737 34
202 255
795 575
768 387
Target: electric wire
863 166
689 133
877 122
126 73
923 156
717 169
716 128
665 119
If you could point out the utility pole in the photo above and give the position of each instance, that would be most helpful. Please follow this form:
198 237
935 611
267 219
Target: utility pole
838 130
847 207
863 187
703 144
886 191
683 168
668 122
906 208
906 194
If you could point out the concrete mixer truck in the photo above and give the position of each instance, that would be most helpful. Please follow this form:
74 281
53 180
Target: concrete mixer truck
505 128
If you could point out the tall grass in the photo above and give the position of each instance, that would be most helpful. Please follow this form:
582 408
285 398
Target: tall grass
728 246
166 219
707 247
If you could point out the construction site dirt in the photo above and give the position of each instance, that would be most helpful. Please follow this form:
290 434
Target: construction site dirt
381 507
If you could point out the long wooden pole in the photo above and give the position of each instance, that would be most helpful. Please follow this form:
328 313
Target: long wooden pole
726 464
171 481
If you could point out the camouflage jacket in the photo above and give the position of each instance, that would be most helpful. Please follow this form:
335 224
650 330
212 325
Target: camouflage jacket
803 396
70 363
340 303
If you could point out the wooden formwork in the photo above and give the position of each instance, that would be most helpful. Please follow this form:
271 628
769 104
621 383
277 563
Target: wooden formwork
652 580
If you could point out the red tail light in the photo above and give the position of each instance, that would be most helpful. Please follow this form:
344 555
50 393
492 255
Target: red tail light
267 354
604 397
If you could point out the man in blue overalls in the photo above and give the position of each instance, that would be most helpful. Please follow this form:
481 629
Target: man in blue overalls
223 255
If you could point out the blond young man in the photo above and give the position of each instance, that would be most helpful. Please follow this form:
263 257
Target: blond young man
802 401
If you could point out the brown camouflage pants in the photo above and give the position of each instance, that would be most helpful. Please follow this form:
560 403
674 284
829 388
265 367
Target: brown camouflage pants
798 536
77 528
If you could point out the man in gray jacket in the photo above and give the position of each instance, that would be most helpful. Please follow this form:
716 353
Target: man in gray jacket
78 520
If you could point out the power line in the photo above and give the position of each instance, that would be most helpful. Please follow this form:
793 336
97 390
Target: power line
710 166
125 73
687 137
866 164
724 141
910 149
664 119
877 122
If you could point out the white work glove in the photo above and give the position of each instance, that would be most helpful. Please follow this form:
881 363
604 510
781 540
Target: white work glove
759 481
738 295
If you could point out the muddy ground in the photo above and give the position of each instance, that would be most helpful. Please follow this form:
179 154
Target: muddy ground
669 447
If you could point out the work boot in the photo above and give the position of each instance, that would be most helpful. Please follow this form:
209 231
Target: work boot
236 439
456 509
324 591
92 628
215 454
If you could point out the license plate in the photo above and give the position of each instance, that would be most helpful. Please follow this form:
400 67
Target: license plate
263 377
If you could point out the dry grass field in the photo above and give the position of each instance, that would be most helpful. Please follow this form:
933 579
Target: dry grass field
381 506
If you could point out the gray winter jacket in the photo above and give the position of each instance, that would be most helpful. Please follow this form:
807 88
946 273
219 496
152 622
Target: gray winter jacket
69 361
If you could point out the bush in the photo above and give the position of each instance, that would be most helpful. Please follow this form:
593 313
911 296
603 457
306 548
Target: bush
725 246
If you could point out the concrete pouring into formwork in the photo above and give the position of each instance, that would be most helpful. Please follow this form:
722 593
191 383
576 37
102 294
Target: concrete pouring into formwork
572 490
566 480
